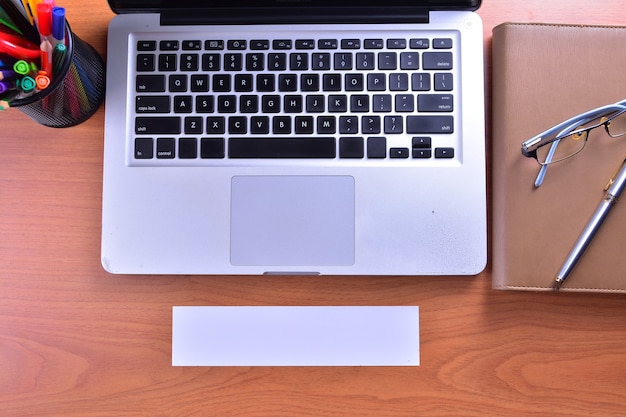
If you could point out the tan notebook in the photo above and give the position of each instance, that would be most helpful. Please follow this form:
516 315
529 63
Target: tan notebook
544 74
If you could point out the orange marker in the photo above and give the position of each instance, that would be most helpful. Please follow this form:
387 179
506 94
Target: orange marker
42 80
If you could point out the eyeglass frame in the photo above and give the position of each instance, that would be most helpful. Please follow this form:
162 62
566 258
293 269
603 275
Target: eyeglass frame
566 128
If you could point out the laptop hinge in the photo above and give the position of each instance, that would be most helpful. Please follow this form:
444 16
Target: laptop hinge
305 15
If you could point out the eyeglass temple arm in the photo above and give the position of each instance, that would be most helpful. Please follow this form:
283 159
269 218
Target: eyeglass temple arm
553 146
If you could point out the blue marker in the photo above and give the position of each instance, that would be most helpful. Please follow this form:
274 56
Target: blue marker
58 24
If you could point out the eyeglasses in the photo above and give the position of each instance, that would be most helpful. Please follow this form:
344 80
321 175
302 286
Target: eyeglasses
569 138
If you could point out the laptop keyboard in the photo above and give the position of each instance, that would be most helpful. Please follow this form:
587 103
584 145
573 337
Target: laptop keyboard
343 98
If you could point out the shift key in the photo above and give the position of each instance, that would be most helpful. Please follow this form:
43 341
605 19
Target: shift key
157 125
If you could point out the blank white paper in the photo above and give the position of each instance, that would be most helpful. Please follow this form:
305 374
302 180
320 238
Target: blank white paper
295 336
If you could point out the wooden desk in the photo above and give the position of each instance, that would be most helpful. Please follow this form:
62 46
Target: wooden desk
75 341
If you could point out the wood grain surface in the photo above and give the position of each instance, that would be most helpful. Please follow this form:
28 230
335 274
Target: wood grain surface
75 341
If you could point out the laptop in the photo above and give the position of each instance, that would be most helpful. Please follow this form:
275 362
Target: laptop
295 137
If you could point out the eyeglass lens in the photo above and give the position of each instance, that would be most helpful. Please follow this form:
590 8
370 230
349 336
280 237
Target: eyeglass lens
572 143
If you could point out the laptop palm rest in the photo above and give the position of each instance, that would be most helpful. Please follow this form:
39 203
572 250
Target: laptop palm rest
292 221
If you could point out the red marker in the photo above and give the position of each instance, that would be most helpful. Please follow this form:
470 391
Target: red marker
44 22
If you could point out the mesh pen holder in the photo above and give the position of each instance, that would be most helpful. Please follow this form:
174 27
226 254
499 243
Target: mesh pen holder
76 89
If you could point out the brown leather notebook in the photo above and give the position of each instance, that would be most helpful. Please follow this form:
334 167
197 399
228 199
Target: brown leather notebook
544 74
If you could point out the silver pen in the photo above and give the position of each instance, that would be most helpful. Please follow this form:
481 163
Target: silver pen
613 190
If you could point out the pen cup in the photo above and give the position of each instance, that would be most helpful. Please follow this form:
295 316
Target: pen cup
76 88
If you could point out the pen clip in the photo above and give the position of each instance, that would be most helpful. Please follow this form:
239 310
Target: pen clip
614 175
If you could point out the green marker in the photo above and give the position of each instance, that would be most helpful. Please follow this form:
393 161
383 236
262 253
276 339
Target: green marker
24 68
28 84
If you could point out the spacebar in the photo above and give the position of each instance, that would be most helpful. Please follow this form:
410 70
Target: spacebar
299 147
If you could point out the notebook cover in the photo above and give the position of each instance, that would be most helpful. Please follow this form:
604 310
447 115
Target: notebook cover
542 75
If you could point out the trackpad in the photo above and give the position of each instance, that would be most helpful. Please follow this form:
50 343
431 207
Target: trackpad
292 220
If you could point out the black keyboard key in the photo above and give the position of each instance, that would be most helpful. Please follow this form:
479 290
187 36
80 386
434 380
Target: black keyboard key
301 147
150 83
445 153
183 104
304 125
359 103
260 44
396 43
189 62
282 44
277 62
146 45
233 62
193 125
409 61
200 83
305 44
166 148
370 125
443 81
337 103
152 104
168 45
430 124
399 153
191 45
421 142
310 82
287 82
377 147
211 62
327 44
351 147
342 61
331 82
442 43
205 104
373 44
221 83
212 148
320 61
144 148
376 82
215 125
188 148
214 45
349 125
265 83
420 82
365 61
394 125
237 125
387 60
435 102
293 104
420 153
177 83
243 82
255 62
354 82
350 44
157 125
227 104
167 62
405 103
419 43
236 45
298 61
259 125
145 62
437 60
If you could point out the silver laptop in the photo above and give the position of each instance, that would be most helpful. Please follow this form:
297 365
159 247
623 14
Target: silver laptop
335 137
